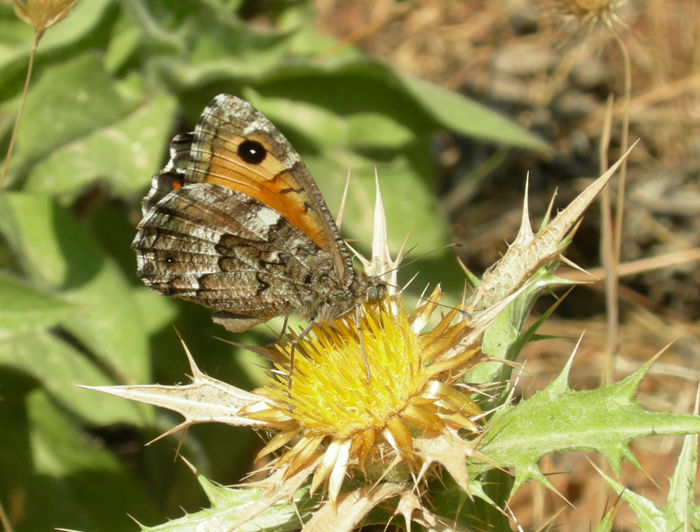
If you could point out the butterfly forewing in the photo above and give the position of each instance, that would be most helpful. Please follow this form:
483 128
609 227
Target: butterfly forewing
280 180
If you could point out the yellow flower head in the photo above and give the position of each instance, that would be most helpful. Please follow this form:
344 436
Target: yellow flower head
360 391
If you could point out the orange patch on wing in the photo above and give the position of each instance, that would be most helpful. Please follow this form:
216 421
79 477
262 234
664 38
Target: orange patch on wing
266 182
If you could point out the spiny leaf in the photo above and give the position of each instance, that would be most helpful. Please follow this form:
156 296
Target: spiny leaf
206 400
680 512
229 504
681 508
559 419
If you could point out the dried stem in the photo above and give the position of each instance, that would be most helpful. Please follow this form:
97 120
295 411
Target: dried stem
608 259
611 250
35 43
4 520
620 207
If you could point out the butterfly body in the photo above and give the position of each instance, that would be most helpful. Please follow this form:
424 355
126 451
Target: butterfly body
235 222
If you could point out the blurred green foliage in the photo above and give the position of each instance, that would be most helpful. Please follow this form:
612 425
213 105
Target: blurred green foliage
112 84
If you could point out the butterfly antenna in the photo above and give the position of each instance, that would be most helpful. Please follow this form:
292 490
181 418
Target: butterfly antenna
415 260
341 209
463 312
446 246
423 298
401 254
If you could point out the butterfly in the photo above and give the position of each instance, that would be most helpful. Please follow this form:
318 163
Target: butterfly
235 222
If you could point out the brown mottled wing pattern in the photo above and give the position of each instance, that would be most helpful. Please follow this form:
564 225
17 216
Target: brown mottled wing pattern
281 181
251 236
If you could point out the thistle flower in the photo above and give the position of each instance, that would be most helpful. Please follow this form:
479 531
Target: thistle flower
386 432
328 406
365 441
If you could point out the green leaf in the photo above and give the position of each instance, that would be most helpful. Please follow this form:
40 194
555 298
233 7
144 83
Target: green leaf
651 519
157 312
558 419
59 367
69 102
680 508
76 483
123 46
16 37
413 211
57 254
364 85
239 48
374 130
607 522
226 52
123 154
355 85
230 504
680 512
461 115
24 309
14 34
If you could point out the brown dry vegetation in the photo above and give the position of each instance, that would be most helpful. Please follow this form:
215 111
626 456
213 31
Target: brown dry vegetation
551 67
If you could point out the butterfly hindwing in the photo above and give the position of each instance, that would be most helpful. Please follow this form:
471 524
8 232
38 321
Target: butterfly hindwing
224 250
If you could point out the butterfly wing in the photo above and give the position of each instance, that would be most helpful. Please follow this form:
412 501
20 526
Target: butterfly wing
172 176
226 132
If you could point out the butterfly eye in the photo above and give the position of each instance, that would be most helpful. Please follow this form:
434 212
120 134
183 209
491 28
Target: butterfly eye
252 152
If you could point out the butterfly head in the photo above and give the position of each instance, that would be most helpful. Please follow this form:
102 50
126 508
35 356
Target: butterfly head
364 289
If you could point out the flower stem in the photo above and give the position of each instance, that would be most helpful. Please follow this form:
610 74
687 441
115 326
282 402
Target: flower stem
35 43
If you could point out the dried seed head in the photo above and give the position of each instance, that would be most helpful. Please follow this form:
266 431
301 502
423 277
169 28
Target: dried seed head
42 14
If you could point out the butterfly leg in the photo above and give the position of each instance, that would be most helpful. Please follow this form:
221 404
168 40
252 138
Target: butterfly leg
293 344
283 330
